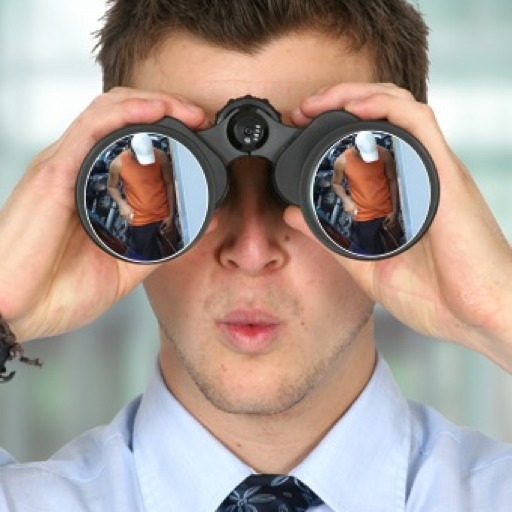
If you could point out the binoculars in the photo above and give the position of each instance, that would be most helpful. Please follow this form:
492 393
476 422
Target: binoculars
367 189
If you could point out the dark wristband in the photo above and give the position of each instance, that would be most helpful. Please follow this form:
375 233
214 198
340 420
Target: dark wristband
10 349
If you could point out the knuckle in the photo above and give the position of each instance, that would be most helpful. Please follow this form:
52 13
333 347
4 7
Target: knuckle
57 171
426 112
390 85
89 121
118 90
87 116
98 101
407 95
399 91
44 155
106 98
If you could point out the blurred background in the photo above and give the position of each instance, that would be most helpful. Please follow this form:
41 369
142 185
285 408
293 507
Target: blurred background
48 76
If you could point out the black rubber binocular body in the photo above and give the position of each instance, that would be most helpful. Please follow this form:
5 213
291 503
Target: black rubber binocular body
389 173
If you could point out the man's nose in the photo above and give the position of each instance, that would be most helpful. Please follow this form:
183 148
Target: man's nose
251 221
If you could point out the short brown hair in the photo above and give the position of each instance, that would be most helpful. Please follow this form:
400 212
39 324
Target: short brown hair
394 31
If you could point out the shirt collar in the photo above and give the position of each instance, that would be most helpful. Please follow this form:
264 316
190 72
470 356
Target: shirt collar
364 457
360 465
180 465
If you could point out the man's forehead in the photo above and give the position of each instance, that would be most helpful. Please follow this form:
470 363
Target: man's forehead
284 71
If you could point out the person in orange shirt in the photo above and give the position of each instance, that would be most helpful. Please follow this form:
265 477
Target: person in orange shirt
370 172
148 205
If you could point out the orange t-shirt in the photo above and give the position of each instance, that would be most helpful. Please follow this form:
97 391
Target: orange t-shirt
369 186
145 189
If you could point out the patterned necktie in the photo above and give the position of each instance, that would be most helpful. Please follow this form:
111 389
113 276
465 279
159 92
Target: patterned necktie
270 493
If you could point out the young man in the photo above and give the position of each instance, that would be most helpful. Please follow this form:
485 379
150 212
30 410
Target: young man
267 362
148 207
370 172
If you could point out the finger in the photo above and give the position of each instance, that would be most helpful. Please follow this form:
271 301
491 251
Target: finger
175 105
59 166
338 96
405 112
419 120
122 106
416 118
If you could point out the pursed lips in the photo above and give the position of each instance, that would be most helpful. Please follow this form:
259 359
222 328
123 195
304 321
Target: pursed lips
250 330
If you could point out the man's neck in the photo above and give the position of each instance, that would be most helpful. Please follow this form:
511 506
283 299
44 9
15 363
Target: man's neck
279 442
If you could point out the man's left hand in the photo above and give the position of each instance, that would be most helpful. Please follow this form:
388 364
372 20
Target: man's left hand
456 282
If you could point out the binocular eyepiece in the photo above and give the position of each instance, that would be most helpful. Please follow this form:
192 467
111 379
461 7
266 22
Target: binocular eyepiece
367 189
248 128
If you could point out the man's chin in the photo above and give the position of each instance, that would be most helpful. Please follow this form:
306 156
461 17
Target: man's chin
257 407
264 400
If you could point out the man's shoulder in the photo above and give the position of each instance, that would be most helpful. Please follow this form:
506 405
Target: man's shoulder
457 458
432 431
89 458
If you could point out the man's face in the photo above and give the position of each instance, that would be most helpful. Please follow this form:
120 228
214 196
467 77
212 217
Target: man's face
256 316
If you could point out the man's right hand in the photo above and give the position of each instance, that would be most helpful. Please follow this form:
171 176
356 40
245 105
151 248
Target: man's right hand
53 278
350 207
126 212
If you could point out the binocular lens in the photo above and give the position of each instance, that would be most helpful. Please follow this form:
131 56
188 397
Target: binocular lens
145 200
371 195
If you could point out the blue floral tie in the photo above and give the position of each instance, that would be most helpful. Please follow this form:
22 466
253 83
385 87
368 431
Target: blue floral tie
270 493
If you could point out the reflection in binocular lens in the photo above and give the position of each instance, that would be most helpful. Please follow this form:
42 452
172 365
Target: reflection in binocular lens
371 193
146 197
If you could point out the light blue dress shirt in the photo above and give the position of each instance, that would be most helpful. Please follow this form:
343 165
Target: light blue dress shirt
384 455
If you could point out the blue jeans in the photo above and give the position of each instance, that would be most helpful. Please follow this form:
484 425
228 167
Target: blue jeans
366 235
142 242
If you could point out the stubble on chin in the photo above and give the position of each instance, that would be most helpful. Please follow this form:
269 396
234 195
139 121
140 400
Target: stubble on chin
286 390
